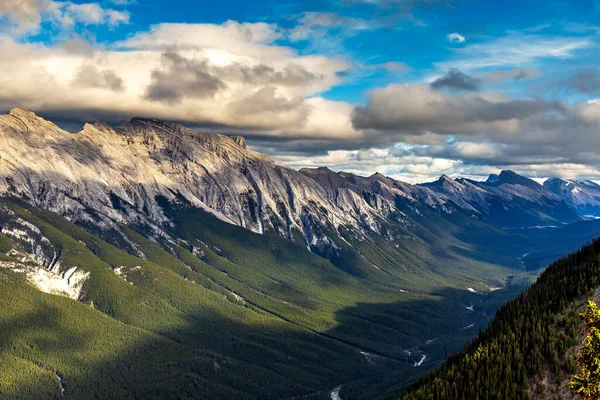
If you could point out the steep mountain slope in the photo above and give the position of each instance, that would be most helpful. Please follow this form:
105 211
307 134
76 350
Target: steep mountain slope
118 173
319 278
583 196
527 350
103 177
178 333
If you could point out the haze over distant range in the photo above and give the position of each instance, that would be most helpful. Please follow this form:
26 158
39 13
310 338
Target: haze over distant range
412 89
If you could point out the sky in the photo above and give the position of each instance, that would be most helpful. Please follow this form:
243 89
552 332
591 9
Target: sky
410 88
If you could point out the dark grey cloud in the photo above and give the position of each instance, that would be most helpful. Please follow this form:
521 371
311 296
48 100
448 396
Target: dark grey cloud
181 78
585 81
264 74
301 147
457 80
543 147
89 76
417 109
492 154
267 100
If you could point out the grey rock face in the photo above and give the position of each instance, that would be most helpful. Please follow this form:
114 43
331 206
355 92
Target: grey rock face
107 176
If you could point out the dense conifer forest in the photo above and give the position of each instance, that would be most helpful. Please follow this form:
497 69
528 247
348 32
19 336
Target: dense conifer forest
527 336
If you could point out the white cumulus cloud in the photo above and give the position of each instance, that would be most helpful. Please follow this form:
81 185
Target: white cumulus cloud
455 37
25 17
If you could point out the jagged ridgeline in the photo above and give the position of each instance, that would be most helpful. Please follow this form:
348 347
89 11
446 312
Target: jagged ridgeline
527 352
188 265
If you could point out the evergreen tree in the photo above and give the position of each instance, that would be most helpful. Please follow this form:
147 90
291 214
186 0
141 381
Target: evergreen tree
587 383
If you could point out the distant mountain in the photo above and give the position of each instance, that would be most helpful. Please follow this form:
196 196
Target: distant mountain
508 200
512 178
252 280
583 196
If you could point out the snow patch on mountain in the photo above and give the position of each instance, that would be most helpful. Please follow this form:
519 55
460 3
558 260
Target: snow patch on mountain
584 196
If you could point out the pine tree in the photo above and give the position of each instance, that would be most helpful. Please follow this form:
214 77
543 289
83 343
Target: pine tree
587 383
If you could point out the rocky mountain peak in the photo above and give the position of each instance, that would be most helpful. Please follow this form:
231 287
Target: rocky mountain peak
511 178
446 178
443 181
240 140
99 126
22 113
318 170
25 121
583 195
552 181
382 179
325 177
139 125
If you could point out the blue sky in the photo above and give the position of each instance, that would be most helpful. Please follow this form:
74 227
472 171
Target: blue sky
416 37
410 88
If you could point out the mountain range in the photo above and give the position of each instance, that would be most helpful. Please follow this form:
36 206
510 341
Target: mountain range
224 274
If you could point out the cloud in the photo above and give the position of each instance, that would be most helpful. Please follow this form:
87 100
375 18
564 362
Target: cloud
25 17
559 142
180 78
312 24
455 37
89 76
457 80
232 76
366 155
417 109
589 112
20 16
231 36
516 75
264 74
585 81
91 14
395 66
515 50
267 102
